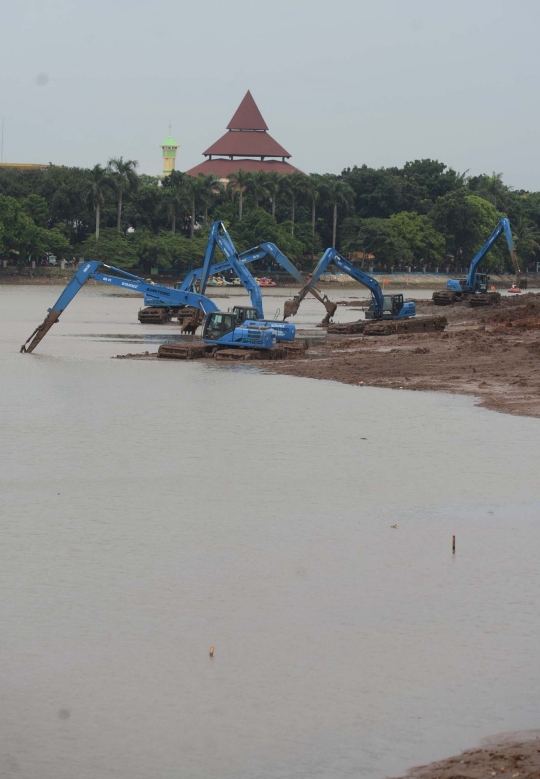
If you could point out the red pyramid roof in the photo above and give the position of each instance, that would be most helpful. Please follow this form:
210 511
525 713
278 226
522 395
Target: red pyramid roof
247 116
247 144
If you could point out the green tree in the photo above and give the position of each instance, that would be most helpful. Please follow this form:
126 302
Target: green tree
111 249
144 210
99 184
466 221
259 226
377 193
64 189
18 231
375 236
37 209
423 241
424 181
125 180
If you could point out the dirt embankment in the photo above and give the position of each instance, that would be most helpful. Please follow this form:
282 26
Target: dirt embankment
505 756
493 353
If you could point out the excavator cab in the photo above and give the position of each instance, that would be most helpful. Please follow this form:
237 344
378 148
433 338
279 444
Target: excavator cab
217 324
392 305
245 313
482 280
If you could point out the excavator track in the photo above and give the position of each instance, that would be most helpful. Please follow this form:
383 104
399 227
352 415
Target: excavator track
182 351
155 315
426 324
444 297
190 351
485 299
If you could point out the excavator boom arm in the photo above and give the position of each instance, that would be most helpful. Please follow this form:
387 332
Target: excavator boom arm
333 256
502 227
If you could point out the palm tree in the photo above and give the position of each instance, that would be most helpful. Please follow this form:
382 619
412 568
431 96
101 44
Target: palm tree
493 190
194 190
256 187
273 187
526 238
462 178
293 186
99 183
125 180
175 200
337 193
238 182
210 187
312 190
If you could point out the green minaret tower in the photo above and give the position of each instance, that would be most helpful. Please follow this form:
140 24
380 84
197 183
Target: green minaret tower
168 148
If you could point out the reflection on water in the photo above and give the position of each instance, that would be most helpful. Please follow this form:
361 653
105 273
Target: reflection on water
153 509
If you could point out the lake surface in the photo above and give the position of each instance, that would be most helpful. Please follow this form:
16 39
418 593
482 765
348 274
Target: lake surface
151 510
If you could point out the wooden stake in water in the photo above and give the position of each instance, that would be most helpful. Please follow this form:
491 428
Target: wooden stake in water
453 544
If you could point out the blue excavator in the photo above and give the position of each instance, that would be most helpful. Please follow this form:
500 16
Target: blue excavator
158 311
221 330
475 286
387 313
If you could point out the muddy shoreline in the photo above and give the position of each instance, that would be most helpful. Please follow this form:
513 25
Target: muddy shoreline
490 353
515 755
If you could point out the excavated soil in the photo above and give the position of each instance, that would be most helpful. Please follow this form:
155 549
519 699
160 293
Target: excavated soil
492 353
504 756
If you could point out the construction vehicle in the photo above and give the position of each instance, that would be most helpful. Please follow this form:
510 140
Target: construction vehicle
221 330
160 311
386 314
475 286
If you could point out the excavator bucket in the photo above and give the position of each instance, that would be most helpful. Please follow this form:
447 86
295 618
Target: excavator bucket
191 322
290 307
41 331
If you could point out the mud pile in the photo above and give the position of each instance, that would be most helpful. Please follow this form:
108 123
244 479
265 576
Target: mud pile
503 757
477 355
519 317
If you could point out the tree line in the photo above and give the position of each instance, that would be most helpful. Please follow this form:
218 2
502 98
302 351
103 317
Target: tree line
424 216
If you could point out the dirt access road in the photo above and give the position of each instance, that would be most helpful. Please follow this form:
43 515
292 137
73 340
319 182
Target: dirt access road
493 353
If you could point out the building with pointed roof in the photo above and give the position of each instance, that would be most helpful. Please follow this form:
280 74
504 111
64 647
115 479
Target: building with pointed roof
246 145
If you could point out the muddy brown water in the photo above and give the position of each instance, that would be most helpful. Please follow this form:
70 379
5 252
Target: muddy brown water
152 510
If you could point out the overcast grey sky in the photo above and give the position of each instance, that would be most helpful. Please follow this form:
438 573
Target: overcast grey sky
339 83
